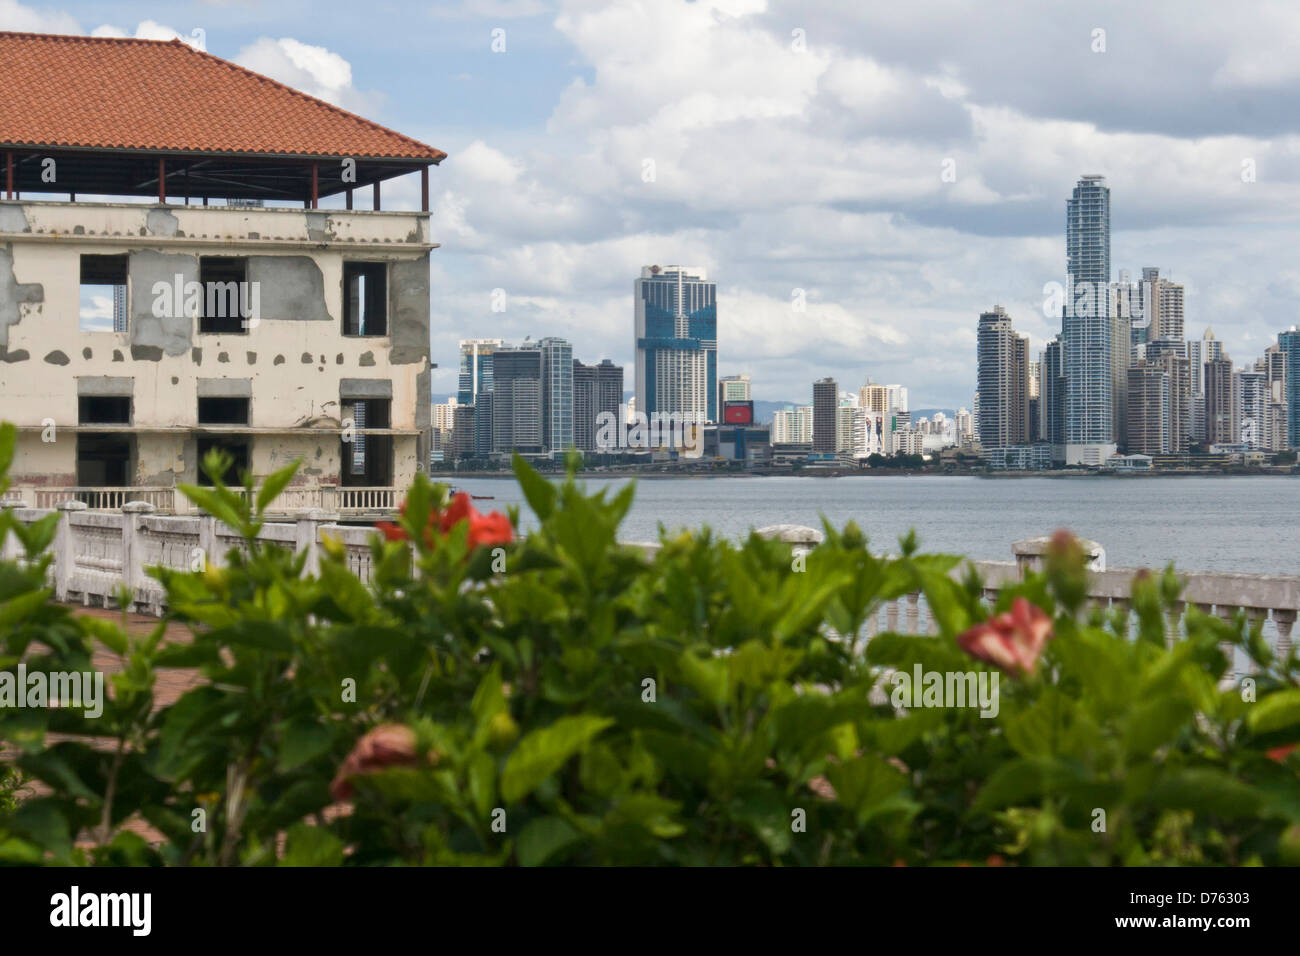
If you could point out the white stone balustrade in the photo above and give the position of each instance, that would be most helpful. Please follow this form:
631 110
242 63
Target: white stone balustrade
97 552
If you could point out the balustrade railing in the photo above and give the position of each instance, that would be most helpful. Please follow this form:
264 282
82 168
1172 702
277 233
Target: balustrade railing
347 500
96 553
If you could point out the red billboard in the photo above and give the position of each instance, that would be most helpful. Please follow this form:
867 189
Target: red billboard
738 413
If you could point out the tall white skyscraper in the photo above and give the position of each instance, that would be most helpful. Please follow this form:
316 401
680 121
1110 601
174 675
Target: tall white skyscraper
1087 332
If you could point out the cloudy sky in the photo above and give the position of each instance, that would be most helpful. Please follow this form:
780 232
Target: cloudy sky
905 165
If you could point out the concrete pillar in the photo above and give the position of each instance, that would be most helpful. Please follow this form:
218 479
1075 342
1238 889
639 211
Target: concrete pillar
1284 618
1256 615
213 556
307 536
1031 554
65 555
913 613
133 566
10 549
1173 623
1227 612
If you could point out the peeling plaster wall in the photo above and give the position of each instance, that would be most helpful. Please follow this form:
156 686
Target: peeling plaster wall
173 333
291 288
160 460
319 454
46 463
301 317
16 298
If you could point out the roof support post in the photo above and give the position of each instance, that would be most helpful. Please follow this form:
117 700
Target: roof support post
424 188
315 187
376 196
349 198
9 174
162 180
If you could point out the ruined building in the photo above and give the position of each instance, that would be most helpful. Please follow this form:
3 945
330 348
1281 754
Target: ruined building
170 284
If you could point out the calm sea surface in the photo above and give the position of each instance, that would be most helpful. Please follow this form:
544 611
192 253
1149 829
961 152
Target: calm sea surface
1249 524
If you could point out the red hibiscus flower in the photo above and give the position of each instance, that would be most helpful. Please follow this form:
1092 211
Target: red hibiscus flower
389 745
487 529
1010 641
484 529
1279 754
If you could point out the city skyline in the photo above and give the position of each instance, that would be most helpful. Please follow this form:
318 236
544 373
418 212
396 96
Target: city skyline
543 195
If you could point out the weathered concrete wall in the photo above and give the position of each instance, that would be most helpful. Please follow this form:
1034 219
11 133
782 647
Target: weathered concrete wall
319 453
16 298
295 358
173 333
39 462
409 310
292 288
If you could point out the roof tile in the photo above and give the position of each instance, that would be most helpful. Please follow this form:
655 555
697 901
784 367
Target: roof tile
112 93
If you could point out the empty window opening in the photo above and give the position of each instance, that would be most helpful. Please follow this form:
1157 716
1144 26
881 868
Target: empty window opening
223 411
104 461
103 294
237 448
365 298
103 410
225 295
367 459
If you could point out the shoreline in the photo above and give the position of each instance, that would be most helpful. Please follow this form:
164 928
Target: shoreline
1065 474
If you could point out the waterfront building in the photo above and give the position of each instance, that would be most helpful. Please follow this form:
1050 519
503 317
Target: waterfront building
597 391
1037 457
1150 410
1289 344
676 343
733 388
1222 422
517 400
1092 370
793 425
1199 351
825 403
1250 395
1002 359
557 394
483 410
1051 392
463 443
271 333
475 368
963 426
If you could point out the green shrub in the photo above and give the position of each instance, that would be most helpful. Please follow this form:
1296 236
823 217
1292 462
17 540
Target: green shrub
564 699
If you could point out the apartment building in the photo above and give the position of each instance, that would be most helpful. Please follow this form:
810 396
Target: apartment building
170 284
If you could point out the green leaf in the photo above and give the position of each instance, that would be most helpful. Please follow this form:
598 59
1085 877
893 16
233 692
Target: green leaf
209 501
312 846
275 483
865 784
1274 712
1153 723
41 822
302 741
538 492
543 838
8 439
542 752
1206 790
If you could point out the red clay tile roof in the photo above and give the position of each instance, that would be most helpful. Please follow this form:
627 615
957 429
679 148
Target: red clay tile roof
126 94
